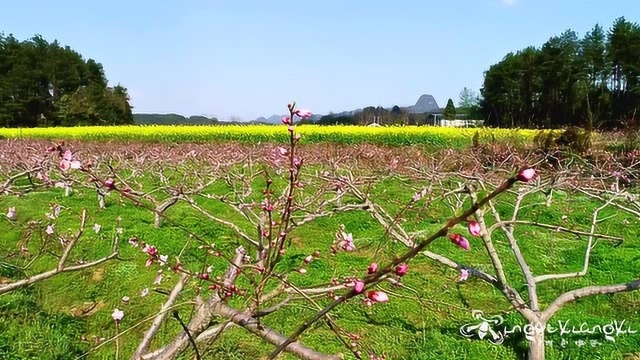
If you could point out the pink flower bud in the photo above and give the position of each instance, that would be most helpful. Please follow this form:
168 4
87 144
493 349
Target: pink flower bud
401 270
373 267
109 184
358 286
474 228
526 175
377 296
291 128
460 241
303 113
286 120
283 151
297 137
302 271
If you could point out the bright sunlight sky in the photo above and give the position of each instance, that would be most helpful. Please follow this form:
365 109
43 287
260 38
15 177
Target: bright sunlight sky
244 59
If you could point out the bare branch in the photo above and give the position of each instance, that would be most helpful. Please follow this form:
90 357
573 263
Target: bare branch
588 291
157 322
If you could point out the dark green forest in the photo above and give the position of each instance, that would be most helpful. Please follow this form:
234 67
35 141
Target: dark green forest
47 84
593 81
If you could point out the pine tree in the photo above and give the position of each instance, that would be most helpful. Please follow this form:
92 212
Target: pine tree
450 111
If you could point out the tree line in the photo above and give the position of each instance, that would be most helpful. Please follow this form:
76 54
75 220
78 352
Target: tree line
593 81
47 84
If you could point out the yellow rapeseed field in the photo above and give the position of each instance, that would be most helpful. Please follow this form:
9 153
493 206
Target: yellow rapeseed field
392 135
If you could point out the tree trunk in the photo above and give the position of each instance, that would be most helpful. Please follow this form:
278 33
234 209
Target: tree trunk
157 222
536 341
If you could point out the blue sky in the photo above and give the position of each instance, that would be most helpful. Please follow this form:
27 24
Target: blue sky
244 59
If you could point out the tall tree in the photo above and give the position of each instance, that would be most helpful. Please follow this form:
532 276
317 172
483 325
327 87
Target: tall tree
468 98
45 84
450 110
593 81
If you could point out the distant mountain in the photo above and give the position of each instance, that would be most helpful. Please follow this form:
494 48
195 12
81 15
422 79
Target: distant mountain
276 119
172 119
425 104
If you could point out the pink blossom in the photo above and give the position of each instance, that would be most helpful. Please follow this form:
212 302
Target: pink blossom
303 113
460 241
464 274
358 286
75 165
297 137
158 279
42 177
96 228
401 270
377 296
345 241
125 299
286 120
526 175
163 259
308 259
50 229
302 271
11 213
109 184
65 165
67 155
144 292
474 228
149 262
297 162
150 249
117 315
283 151
291 128
419 195
134 241
373 267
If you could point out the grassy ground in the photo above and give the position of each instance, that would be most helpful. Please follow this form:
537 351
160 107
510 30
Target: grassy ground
44 321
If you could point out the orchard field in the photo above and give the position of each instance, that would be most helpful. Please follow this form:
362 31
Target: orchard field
249 242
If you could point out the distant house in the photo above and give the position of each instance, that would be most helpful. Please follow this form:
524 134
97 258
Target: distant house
437 119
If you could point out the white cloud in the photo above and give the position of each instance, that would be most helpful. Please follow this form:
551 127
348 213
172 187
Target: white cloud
509 2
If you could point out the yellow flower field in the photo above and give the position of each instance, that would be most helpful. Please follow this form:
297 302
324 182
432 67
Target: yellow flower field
394 135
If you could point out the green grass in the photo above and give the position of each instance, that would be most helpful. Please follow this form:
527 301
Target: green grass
37 322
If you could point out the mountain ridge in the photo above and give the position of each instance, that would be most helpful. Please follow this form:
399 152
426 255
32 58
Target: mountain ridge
426 104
